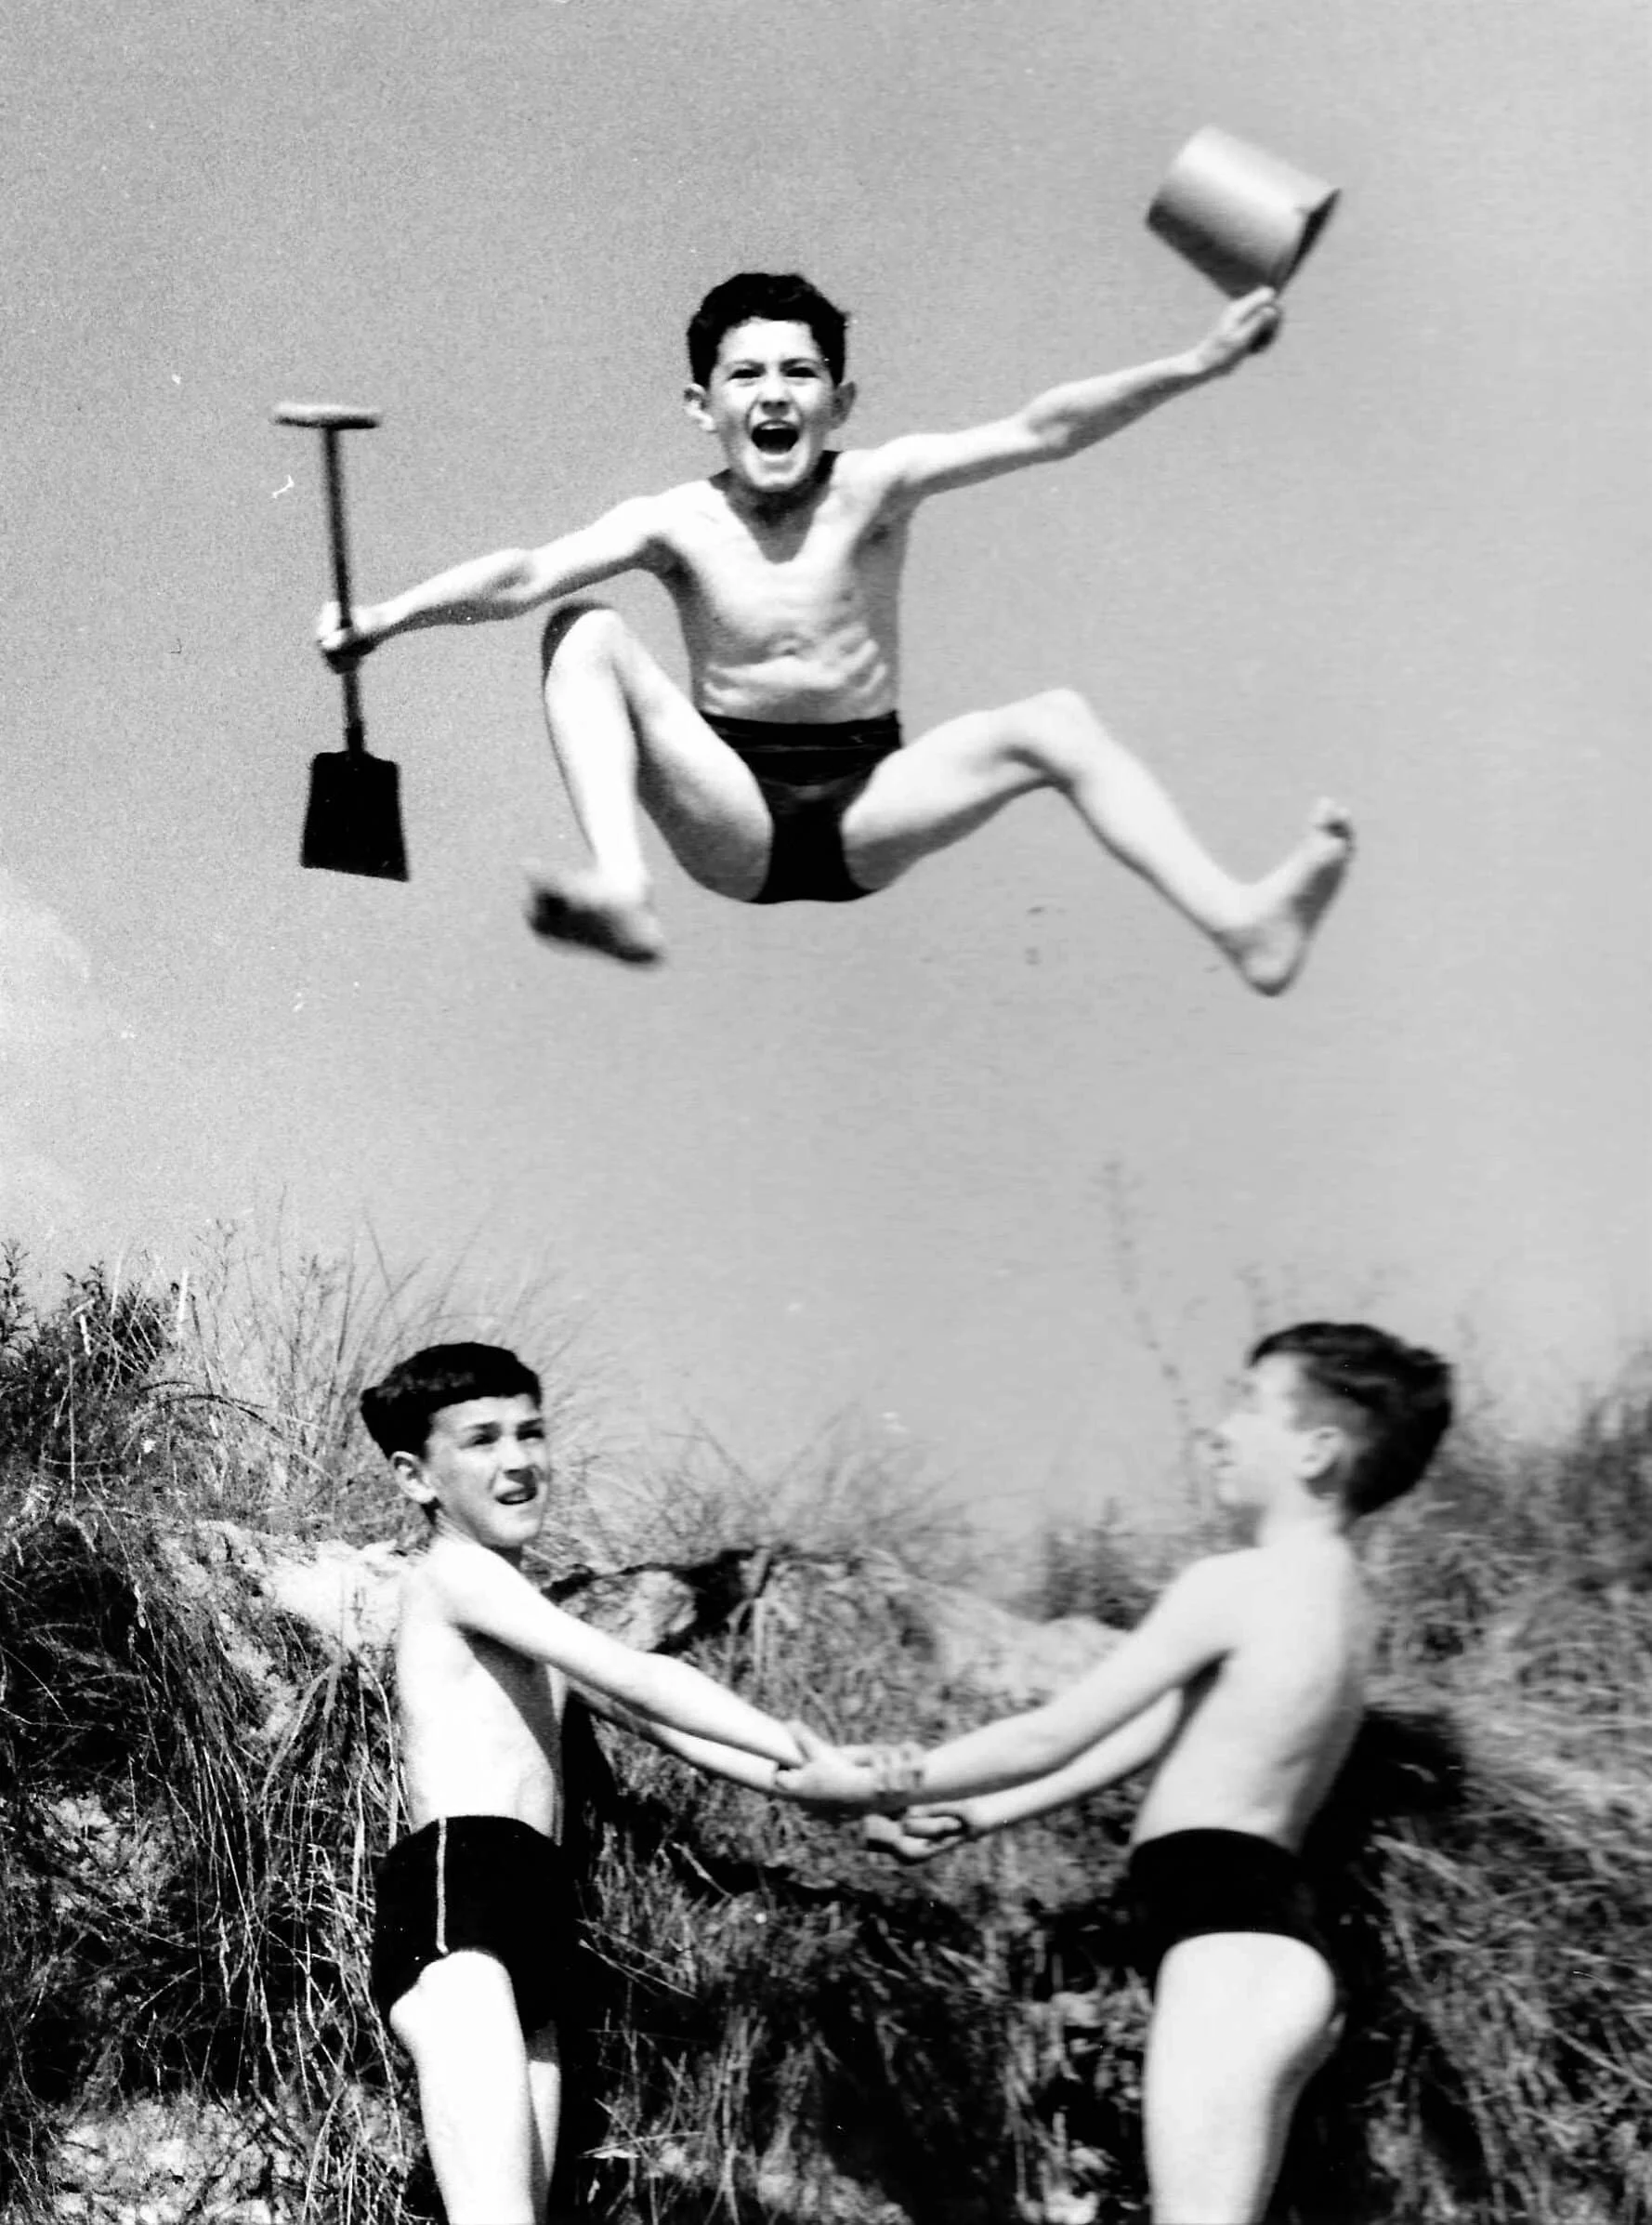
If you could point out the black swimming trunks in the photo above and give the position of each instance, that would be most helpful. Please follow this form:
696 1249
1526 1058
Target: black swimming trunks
476 1881
810 776
1188 1884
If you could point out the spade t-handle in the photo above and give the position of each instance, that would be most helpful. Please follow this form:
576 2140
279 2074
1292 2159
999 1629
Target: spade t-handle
353 821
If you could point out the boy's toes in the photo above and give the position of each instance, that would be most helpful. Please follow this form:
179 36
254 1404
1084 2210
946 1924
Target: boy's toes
578 909
1333 819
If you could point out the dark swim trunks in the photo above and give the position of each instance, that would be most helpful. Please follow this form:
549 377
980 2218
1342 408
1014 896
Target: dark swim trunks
810 776
476 1881
1189 1884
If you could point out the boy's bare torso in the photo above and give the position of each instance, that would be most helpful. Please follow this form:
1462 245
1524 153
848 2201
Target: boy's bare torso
481 1725
791 616
1262 1733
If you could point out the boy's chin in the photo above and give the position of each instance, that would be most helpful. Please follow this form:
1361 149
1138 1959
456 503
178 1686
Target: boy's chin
777 472
506 1533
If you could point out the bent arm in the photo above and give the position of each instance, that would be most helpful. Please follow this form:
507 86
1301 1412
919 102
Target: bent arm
482 1594
507 584
1068 418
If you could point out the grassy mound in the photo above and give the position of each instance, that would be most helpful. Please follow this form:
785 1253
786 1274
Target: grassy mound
774 2025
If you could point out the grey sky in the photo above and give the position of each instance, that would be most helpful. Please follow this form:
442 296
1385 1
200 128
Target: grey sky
878 1158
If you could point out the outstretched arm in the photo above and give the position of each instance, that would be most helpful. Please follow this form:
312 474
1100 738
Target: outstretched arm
1068 418
924 1832
1191 1627
715 1757
504 585
482 1593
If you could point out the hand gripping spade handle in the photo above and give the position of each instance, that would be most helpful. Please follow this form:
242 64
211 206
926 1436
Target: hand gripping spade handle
353 820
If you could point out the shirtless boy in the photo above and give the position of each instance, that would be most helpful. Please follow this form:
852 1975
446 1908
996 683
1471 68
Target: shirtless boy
1244 1688
781 774
474 1923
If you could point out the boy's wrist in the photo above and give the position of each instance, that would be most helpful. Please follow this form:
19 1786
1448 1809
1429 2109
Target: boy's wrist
898 1774
1195 367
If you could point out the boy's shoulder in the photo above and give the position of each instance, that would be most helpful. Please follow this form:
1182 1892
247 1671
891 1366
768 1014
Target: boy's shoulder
1228 1567
1280 1585
449 1573
689 498
1228 1583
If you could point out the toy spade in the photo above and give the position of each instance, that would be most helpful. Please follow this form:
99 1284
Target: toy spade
353 820
1242 217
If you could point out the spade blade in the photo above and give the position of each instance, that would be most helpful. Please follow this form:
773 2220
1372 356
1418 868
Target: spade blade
353 823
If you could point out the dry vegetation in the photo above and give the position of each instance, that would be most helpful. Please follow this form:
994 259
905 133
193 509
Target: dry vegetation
775 2026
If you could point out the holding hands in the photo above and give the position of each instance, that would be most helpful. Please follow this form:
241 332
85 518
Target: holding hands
920 1834
876 1782
850 1779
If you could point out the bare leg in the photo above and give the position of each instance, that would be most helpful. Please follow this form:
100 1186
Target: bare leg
1241 2020
476 2093
544 2098
624 735
954 779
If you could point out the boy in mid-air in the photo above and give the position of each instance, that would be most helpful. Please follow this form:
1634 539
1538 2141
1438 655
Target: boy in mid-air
1242 1689
782 774
474 1924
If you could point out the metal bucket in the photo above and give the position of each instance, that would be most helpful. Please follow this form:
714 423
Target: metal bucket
1242 217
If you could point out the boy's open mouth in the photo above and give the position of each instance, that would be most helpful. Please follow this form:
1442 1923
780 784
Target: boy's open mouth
774 438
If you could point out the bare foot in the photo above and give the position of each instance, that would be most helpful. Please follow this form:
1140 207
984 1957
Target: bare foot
1270 944
583 907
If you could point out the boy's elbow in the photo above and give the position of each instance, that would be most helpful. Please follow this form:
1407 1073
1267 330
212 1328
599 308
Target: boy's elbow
1049 1752
517 578
1045 436
1040 1747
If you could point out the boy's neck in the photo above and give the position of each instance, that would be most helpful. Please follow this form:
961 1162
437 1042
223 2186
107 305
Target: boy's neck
774 509
1302 1521
441 1535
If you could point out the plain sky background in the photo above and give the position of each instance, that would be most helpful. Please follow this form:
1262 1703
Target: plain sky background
972 1161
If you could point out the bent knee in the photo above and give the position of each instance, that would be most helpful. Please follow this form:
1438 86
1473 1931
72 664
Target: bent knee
1057 725
1061 706
581 629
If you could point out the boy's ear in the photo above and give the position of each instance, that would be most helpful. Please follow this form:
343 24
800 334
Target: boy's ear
844 401
694 402
1324 1454
411 1478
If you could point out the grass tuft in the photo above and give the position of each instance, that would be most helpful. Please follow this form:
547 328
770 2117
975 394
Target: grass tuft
773 2026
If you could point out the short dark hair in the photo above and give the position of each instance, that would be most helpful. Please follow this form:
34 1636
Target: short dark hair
1401 1392
399 1411
783 298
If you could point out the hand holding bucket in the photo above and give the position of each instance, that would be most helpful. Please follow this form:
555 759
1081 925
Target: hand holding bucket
1242 217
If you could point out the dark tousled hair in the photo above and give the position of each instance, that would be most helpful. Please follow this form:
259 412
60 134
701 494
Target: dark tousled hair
399 1411
784 298
1401 1392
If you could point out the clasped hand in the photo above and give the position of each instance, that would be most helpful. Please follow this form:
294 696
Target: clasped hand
850 1779
876 1782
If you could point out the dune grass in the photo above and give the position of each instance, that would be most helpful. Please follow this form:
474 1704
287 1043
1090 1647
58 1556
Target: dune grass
774 2025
